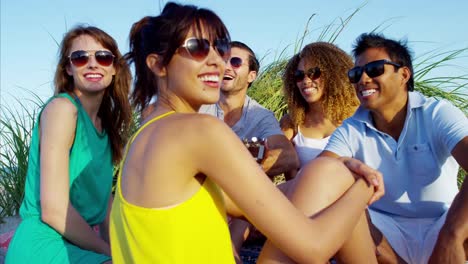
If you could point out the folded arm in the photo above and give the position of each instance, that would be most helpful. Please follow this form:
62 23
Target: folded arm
57 129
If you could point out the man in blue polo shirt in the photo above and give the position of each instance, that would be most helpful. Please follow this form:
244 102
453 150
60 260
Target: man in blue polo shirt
418 144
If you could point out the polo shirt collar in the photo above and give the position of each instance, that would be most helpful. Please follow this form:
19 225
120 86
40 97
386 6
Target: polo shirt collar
415 100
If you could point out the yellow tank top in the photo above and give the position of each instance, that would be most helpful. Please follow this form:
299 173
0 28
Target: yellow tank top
194 231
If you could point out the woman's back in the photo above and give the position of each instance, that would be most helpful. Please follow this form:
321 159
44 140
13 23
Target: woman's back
181 198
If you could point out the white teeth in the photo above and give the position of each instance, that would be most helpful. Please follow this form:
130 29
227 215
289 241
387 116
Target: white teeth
311 90
368 92
209 78
93 76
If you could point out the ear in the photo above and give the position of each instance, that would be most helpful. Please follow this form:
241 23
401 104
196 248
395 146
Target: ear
252 76
68 69
153 61
405 75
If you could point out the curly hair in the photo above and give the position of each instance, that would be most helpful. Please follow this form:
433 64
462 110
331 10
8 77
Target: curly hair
339 100
115 110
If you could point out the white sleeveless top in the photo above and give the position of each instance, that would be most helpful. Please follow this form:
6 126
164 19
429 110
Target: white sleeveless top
308 148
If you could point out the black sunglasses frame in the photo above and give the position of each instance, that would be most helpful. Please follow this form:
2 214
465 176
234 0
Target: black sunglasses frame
312 73
372 69
198 48
236 62
80 58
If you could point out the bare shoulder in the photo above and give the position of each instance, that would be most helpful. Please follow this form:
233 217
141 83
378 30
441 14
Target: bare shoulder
202 124
200 129
58 122
60 107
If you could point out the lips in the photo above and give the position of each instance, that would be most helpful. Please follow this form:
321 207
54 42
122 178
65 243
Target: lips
228 77
368 92
310 91
211 79
93 76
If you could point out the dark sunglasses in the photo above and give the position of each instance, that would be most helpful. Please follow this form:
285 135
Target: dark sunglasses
372 69
312 73
236 62
80 58
199 48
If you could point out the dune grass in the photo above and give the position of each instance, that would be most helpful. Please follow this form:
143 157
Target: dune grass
16 123
267 89
15 135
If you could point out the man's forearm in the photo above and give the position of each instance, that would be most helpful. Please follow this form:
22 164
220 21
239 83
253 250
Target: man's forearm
456 223
278 161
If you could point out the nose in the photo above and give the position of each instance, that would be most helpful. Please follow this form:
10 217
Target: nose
92 62
307 79
364 78
215 58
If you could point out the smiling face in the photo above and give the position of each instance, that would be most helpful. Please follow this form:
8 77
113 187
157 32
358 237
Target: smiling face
311 90
237 78
191 82
91 77
384 91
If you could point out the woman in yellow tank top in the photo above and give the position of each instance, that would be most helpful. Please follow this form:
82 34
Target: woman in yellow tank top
183 171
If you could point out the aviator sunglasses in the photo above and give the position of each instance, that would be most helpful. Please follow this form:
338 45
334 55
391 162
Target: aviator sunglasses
312 73
372 69
80 58
199 48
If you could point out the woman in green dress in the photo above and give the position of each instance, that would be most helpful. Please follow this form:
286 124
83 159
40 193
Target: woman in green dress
78 136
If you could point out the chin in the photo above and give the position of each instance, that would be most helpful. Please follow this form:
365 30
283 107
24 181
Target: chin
210 99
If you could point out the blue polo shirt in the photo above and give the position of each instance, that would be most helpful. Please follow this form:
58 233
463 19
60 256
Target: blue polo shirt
256 120
420 175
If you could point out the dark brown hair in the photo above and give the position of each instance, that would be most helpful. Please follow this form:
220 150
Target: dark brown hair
163 35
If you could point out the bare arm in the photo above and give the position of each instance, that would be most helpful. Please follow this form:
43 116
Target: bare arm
246 184
453 235
280 156
57 129
104 226
361 169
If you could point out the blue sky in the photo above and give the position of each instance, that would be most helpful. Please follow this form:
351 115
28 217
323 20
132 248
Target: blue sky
30 29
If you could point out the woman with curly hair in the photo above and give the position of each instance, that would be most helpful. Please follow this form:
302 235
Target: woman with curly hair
319 97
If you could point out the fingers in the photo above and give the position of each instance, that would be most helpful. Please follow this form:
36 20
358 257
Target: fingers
372 176
379 190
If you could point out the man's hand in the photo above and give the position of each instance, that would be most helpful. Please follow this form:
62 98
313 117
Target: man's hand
372 176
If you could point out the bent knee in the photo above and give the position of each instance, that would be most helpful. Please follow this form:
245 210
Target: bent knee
327 171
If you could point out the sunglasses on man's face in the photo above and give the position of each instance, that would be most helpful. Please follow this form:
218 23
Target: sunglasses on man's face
236 62
199 48
312 73
80 58
372 69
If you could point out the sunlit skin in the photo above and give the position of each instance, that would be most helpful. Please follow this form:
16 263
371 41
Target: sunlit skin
386 92
92 77
204 77
311 90
315 125
237 79
153 177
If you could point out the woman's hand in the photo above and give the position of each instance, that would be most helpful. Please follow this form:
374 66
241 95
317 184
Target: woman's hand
372 176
